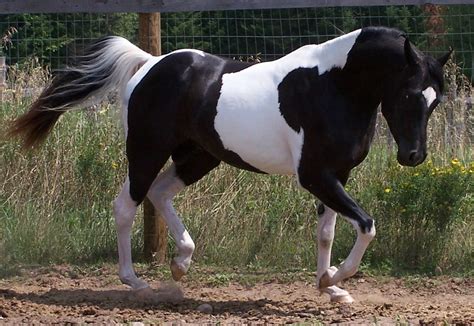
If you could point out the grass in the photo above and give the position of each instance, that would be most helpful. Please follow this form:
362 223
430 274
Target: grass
55 203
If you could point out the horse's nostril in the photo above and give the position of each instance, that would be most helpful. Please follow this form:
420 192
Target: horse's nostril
412 157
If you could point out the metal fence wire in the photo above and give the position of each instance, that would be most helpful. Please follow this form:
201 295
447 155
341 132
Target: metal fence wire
267 34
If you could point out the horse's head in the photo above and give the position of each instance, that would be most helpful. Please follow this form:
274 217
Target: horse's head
410 98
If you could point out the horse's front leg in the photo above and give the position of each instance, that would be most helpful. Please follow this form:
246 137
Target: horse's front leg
325 236
329 189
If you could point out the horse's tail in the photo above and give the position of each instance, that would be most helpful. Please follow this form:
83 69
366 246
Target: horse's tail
106 65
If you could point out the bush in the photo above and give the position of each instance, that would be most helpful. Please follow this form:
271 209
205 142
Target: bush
424 217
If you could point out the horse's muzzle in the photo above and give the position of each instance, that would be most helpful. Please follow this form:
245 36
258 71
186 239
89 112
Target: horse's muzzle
411 158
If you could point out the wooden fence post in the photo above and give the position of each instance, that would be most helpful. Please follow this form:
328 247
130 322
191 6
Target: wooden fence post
3 69
155 240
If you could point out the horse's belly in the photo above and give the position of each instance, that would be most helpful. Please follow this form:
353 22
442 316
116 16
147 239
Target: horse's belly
267 154
250 124
269 157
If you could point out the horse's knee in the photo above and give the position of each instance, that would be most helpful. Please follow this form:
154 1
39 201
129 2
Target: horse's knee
326 224
124 212
326 237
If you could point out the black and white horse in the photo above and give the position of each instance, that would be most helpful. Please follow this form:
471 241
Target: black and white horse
311 114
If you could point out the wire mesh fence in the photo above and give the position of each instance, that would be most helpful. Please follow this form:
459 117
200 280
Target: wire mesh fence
248 34
56 38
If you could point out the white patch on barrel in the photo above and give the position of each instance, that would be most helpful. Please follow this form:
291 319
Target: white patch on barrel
248 118
430 95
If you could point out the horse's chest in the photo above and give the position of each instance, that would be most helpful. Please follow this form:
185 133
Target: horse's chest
249 123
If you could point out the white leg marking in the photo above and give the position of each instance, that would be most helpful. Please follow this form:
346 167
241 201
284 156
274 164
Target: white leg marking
163 190
350 266
326 225
338 294
124 211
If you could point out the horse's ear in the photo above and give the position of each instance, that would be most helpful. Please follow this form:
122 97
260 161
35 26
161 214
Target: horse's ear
410 54
442 60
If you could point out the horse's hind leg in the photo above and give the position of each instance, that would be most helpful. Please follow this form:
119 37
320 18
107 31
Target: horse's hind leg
165 187
188 168
142 171
326 226
124 212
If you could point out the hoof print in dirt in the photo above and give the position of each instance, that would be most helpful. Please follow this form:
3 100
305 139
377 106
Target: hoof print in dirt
205 308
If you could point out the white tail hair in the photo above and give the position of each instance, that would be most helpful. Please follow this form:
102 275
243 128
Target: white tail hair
107 65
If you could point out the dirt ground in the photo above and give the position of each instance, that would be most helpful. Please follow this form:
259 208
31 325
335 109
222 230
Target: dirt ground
65 294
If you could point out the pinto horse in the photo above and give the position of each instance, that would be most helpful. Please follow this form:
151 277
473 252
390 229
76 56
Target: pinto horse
311 114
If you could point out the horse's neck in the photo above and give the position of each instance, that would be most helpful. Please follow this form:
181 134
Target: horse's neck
371 65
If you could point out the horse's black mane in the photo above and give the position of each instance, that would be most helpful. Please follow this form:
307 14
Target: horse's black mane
398 36
436 72
381 31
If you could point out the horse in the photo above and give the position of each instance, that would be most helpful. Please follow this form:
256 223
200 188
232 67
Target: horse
311 114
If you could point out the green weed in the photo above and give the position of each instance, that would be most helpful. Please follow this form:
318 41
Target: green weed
56 202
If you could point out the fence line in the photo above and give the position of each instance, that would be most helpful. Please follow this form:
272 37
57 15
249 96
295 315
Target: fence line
264 34
101 6
55 38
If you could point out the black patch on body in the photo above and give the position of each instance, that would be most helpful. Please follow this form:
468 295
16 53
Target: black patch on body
293 93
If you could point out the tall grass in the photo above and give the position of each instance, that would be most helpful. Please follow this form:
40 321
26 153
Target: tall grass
55 203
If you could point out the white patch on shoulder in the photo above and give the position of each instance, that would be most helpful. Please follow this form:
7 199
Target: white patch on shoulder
430 95
248 119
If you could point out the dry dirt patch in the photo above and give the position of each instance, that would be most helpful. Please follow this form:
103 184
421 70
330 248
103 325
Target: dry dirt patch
64 294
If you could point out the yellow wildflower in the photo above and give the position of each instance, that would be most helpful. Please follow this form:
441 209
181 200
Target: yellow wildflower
455 161
387 190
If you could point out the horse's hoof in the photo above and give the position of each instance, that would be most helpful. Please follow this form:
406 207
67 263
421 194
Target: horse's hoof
176 272
344 298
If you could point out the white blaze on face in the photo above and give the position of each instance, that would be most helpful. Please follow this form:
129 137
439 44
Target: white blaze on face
430 95
249 121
